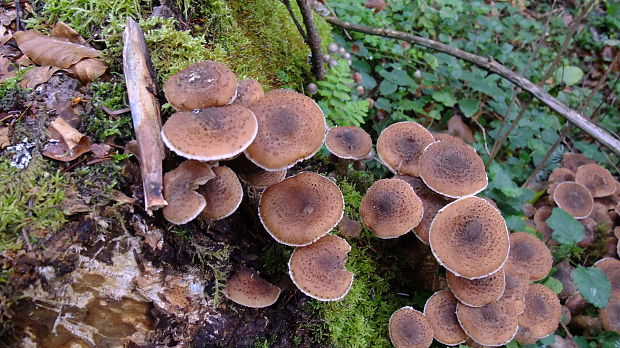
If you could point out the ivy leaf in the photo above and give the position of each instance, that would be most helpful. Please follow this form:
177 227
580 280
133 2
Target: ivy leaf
469 107
593 285
569 75
566 229
386 87
445 96
553 284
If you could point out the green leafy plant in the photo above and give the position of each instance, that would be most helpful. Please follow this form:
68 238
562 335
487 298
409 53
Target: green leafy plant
593 285
340 108
566 229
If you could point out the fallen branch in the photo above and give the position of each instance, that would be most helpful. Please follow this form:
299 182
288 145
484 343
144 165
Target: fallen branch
491 65
313 39
144 106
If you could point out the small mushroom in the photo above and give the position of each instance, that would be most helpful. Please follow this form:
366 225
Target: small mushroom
458 128
201 85
301 209
248 289
222 193
254 175
529 255
572 161
400 146
477 292
559 175
611 268
470 238
444 136
318 269
542 311
180 184
564 275
390 208
574 198
597 179
409 328
610 315
348 143
440 311
452 169
524 336
349 227
248 91
540 221
492 325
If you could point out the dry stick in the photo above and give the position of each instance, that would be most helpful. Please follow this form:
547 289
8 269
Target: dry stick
492 66
287 3
314 40
144 106
19 23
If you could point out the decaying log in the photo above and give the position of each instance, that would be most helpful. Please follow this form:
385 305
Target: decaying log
145 108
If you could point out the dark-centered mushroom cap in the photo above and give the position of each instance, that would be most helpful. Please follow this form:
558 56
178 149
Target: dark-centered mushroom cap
492 325
611 268
184 203
210 134
390 208
572 161
431 202
440 311
477 292
291 128
248 91
559 175
201 85
222 193
597 179
542 311
574 198
470 238
610 315
529 255
400 146
348 142
452 169
318 269
301 209
409 328
248 289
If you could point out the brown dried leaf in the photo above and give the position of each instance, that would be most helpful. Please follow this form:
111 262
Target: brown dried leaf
24 60
100 150
37 76
376 5
66 111
88 69
65 33
71 144
46 50
4 137
4 69
7 17
71 136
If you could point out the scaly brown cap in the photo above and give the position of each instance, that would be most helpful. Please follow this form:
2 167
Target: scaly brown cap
542 311
492 325
210 134
409 328
540 221
572 161
529 255
597 179
349 227
318 269
611 268
452 169
390 208
440 311
610 315
184 203
574 198
201 85
477 292
248 91
301 209
559 175
291 128
448 137
246 288
470 238
348 142
400 146
222 193
516 286
254 175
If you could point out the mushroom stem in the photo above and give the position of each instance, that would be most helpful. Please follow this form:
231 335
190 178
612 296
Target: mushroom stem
342 167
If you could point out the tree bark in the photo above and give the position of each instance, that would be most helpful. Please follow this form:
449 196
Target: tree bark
313 39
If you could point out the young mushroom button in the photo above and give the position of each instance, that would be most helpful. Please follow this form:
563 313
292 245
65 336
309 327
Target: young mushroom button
184 203
574 198
440 311
400 146
246 288
409 328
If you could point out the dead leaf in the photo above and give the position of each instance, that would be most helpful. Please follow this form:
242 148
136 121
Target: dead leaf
88 69
7 17
376 5
120 197
24 61
68 143
64 32
4 69
71 136
100 150
46 50
66 111
4 137
37 76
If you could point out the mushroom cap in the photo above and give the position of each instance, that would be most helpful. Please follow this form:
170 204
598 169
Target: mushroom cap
610 315
349 228
524 336
440 311
222 193
184 203
348 142
559 175
410 328
452 169
248 91
431 202
448 137
597 179
390 208
210 134
542 311
470 238
540 221
318 269
400 146
572 161
492 325
254 175
201 85
246 288
291 128
530 255
611 268
301 209
477 292
574 198
516 286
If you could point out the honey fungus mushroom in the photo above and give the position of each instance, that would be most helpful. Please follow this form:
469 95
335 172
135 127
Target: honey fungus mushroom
291 128
542 311
301 209
348 142
201 85
180 184
318 269
210 134
390 208
254 175
529 255
452 169
492 325
440 311
409 328
222 193
248 289
610 315
248 91
597 179
574 198
477 292
469 237
400 146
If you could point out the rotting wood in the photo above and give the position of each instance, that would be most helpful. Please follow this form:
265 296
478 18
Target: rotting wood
493 66
145 108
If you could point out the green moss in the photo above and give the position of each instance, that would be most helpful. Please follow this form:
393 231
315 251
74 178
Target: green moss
352 199
275 260
112 95
10 91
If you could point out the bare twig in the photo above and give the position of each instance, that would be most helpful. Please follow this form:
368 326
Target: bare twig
492 66
314 40
287 3
144 106
19 10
